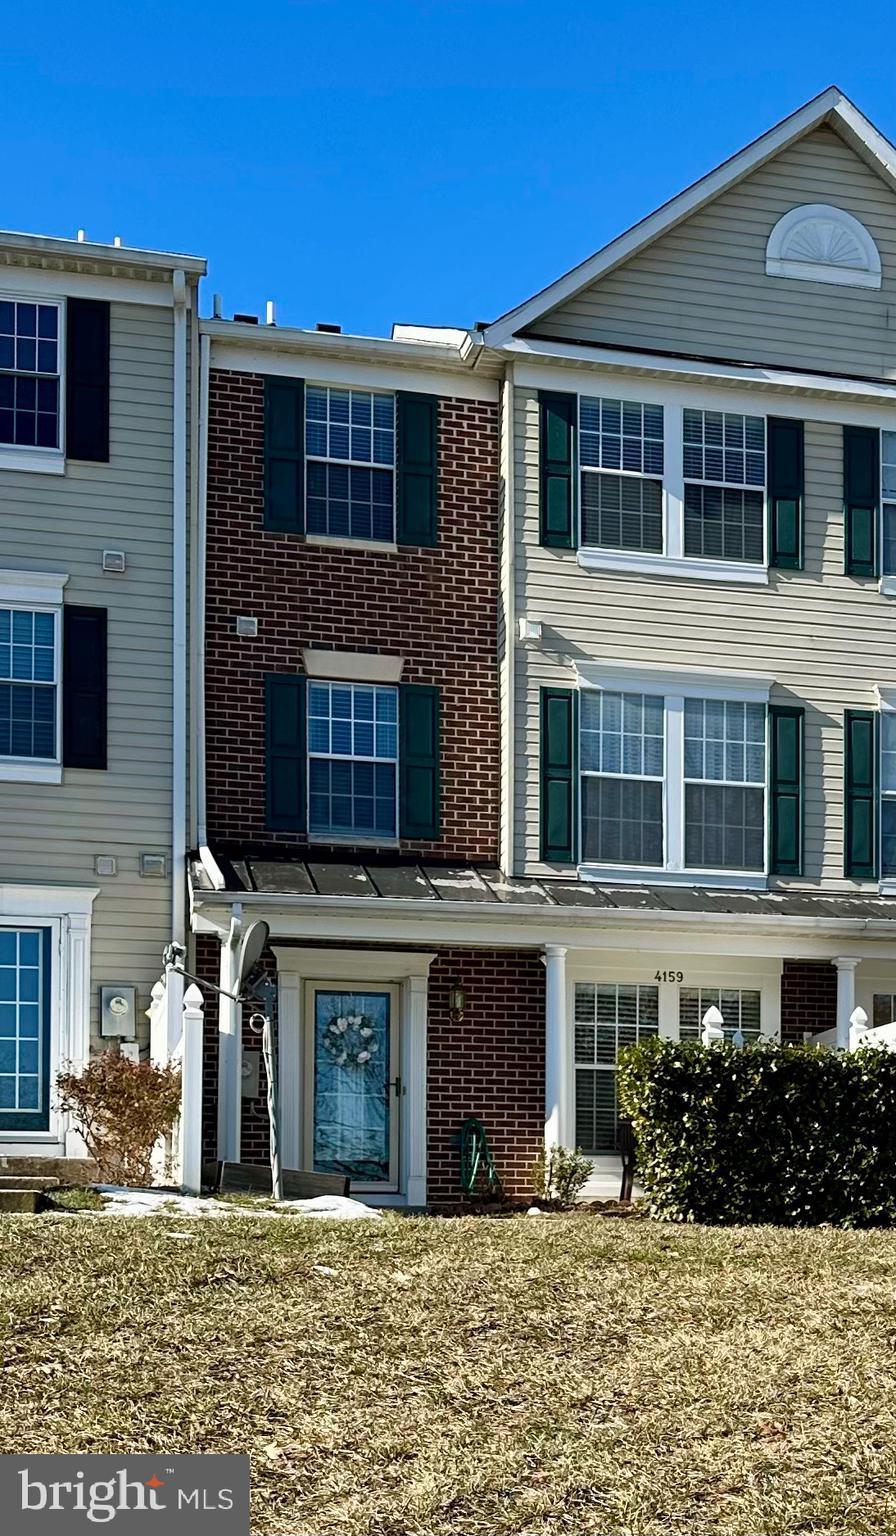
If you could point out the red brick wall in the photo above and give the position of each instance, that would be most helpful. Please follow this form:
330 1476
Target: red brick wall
437 608
490 1064
808 998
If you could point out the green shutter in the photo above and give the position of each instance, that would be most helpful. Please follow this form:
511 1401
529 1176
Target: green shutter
861 490
786 790
860 776
417 467
420 792
557 417
785 492
284 455
558 775
284 747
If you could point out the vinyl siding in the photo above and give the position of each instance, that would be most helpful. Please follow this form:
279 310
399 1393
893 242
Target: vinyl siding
52 833
702 288
826 638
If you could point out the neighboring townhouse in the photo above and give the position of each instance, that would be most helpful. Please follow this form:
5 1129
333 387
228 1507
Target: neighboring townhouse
660 499
95 345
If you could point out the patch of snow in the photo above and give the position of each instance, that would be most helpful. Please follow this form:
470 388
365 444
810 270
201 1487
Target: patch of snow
121 1201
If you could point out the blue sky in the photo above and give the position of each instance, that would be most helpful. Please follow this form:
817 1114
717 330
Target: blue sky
377 160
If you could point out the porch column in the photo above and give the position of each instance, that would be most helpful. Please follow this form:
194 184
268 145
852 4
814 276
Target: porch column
230 1084
413 1091
846 997
556 1067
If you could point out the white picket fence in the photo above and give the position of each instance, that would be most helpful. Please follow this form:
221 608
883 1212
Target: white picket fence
175 1035
862 1036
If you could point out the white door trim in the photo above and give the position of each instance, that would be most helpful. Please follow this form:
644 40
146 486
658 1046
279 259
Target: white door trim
357 967
389 1185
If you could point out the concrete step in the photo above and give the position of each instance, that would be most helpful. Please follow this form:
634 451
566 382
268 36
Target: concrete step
29 1181
69 1170
21 1200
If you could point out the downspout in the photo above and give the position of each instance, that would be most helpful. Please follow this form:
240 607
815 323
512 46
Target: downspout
179 617
507 680
199 578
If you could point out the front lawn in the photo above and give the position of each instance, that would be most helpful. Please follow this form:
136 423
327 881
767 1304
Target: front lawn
560 1375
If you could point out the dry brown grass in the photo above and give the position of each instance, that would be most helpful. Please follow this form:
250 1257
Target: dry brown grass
565 1375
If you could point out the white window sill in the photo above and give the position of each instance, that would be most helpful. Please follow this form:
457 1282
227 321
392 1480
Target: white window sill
41 461
887 585
609 874
24 771
733 571
887 887
336 840
338 541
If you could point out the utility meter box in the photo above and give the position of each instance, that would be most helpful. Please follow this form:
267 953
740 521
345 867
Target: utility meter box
118 1011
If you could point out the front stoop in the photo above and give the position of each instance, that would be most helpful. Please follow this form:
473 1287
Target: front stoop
66 1170
29 1201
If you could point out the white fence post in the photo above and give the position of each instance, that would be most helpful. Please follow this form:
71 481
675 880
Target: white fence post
191 1092
713 1027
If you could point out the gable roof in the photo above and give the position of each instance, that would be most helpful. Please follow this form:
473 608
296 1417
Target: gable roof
831 107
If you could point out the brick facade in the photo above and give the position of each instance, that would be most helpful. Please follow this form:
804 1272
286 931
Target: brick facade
490 1064
436 608
808 998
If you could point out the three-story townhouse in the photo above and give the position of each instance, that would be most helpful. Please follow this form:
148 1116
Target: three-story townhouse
95 383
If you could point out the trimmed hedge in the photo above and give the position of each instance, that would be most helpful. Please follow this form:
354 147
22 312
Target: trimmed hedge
790 1135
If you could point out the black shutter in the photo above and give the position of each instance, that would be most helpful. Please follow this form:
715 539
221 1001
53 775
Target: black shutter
419 750
861 490
284 455
284 718
416 463
558 775
557 415
860 784
786 790
84 687
87 380
785 492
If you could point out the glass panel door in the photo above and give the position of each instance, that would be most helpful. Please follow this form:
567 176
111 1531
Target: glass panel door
352 1120
24 1029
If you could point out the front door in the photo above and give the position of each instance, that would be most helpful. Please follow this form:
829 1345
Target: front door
24 1029
352 1086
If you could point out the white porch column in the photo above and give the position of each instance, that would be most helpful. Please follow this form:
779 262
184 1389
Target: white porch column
413 1100
230 1055
556 1065
191 1093
846 997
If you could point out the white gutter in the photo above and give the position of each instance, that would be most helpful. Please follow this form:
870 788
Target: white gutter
179 614
198 612
508 602
283 338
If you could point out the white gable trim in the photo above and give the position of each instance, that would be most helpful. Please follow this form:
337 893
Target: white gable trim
830 105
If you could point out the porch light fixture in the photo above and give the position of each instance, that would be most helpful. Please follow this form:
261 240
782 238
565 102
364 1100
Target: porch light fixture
457 1001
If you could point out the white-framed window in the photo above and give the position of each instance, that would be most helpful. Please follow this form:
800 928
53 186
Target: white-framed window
622 764
352 760
888 794
883 1009
740 1008
724 784
621 462
350 462
672 774
29 683
30 373
607 1016
888 502
724 485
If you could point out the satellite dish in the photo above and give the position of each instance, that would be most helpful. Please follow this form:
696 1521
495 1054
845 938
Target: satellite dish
251 947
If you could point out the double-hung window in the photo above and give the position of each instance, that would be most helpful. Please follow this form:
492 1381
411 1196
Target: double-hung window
622 764
740 1009
888 502
607 1017
673 782
350 463
621 474
29 374
352 760
28 683
888 793
724 784
724 486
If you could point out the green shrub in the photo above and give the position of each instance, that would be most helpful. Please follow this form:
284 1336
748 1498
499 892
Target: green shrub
560 1175
790 1135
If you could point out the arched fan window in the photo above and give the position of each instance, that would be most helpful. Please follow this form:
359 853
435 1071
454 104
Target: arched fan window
822 244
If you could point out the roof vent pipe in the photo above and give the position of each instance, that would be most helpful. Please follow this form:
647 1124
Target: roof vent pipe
217 306
117 240
270 313
81 237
